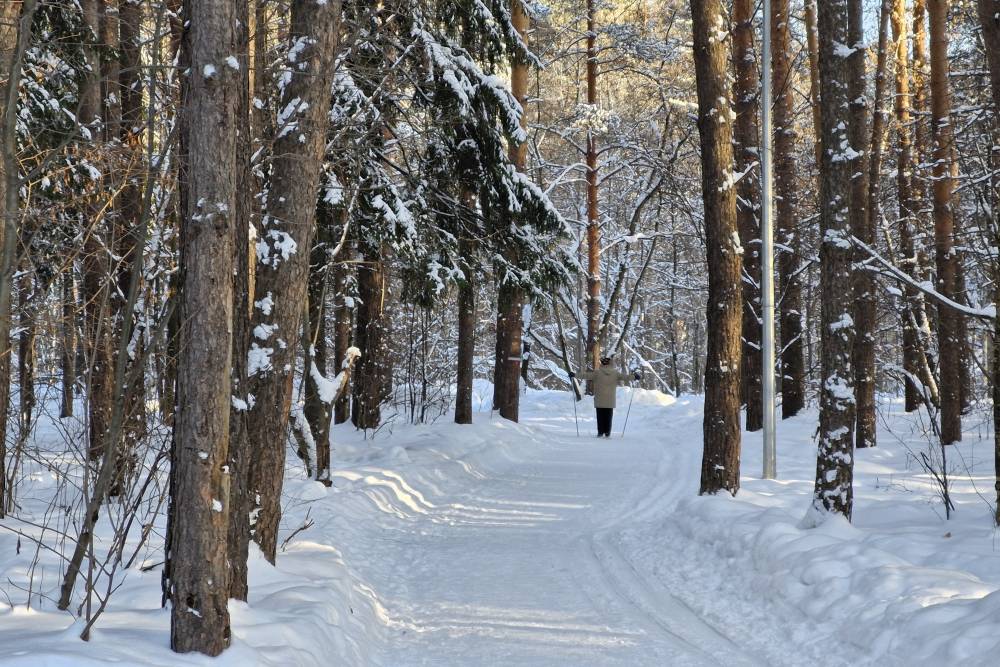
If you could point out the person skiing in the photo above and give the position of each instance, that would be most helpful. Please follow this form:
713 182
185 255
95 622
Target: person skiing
606 380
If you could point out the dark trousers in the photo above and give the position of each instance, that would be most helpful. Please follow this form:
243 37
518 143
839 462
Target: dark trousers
604 416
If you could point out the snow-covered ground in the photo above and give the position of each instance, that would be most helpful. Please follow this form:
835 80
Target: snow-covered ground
524 544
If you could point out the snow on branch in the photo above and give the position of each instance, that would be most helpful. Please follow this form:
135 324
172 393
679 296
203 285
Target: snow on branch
987 313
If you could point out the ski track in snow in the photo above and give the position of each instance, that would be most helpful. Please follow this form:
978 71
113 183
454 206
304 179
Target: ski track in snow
521 563
503 544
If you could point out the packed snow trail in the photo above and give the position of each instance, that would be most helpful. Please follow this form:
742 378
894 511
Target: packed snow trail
497 544
519 564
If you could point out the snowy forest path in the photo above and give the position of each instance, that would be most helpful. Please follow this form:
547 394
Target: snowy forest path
516 562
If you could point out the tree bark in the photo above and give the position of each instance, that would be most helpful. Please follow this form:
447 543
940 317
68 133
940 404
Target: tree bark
199 619
68 341
867 309
908 209
989 17
125 23
315 410
510 300
238 539
593 222
746 133
466 326
341 333
283 252
949 326
15 32
835 461
110 41
373 374
27 314
812 47
862 226
789 284
720 468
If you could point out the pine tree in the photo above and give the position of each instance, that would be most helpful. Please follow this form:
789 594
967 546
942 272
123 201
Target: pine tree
745 134
835 461
864 184
989 18
199 619
720 467
284 241
949 326
789 280
510 299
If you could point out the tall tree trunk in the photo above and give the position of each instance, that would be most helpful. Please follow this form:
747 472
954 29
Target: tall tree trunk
863 286
238 539
110 68
27 315
199 619
812 46
746 134
342 311
316 410
96 259
835 461
466 326
921 97
68 340
593 222
283 252
989 17
949 342
129 214
907 206
510 301
867 308
793 372
15 33
720 467
372 338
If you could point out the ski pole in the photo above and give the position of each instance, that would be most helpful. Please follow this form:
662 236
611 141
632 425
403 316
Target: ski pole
573 396
631 395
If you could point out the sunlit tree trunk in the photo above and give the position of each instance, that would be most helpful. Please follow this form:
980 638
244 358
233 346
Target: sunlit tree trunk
510 300
745 134
593 222
949 342
907 203
785 175
812 47
720 467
